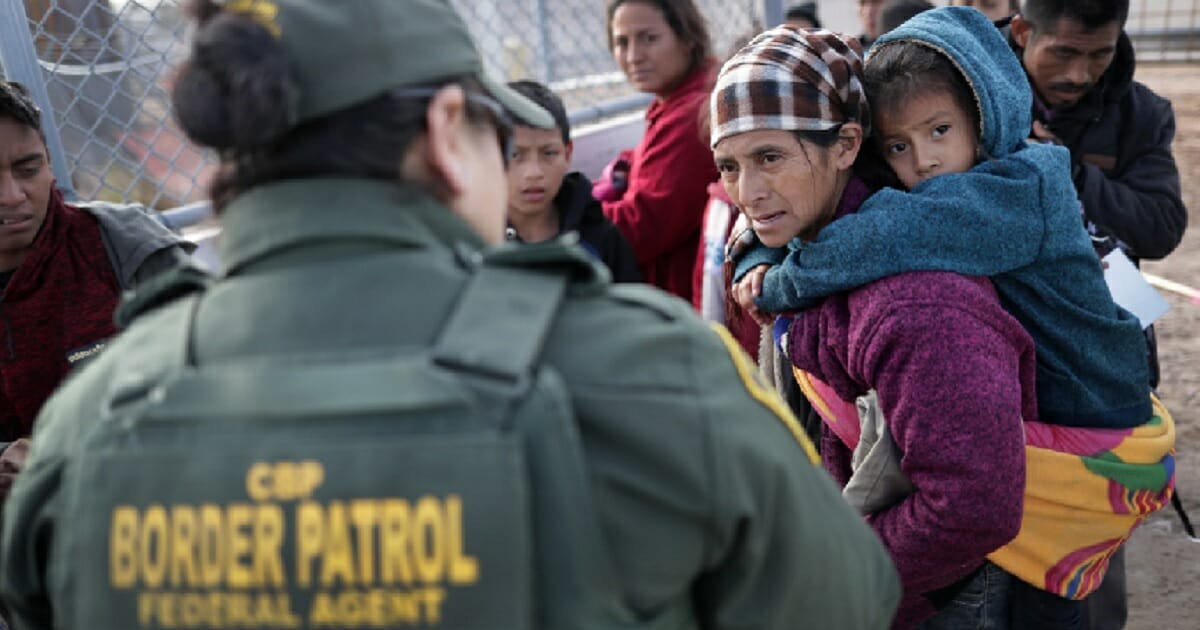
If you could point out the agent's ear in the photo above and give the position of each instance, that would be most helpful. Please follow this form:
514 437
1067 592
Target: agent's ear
849 143
445 144
1021 30
570 149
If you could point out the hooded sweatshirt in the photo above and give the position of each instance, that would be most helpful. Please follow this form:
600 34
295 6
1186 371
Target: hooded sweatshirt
953 373
1014 217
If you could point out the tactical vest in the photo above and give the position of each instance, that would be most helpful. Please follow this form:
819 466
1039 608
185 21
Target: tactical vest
441 488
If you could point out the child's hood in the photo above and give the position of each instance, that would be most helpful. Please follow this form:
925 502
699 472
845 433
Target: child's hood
995 74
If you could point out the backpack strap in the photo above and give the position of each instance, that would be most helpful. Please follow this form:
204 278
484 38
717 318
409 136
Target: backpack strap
501 321
494 337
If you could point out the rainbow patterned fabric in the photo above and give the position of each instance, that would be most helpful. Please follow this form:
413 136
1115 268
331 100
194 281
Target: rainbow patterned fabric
1086 490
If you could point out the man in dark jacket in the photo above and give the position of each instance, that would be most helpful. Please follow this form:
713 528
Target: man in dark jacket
545 201
1081 65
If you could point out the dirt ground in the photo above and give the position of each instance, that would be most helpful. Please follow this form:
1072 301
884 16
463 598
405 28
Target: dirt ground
1163 564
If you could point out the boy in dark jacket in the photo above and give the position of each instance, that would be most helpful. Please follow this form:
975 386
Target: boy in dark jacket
545 201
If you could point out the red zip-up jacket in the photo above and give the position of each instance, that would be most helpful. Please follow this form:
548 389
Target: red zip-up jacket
662 209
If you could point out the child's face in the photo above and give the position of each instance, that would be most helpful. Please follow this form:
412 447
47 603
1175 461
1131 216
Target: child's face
536 168
927 136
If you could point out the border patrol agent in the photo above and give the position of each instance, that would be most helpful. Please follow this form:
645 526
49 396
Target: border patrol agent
374 420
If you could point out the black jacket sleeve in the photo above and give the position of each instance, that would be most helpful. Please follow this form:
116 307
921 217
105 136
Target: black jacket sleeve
619 257
1141 203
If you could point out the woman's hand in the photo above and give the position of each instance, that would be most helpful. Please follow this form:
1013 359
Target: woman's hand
749 287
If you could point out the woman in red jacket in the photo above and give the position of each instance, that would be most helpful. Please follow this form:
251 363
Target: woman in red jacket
663 47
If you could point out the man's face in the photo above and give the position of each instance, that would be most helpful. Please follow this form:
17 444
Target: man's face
25 184
1065 61
868 14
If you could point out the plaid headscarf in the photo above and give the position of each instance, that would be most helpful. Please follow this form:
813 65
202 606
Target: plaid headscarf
793 80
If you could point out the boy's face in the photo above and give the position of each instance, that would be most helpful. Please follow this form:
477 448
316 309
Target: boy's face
25 184
536 169
927 136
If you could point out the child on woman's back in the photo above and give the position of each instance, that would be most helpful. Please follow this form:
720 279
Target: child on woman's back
982 201
952 112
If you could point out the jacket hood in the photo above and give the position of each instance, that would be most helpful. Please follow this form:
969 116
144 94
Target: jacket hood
978 49
1117 80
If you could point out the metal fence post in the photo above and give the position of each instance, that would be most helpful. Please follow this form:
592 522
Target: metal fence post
544 44
18 56
772 12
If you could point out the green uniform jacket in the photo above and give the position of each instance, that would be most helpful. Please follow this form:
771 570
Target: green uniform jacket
711 509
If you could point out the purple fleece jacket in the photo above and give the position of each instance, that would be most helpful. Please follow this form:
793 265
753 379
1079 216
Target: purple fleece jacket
955 377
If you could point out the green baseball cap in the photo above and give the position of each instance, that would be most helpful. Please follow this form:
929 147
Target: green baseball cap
345 52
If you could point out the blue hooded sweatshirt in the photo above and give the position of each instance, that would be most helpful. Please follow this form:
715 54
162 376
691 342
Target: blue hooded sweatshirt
1014 217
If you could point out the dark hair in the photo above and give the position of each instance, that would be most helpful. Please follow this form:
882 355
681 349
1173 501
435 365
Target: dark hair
805 11
685 21
547 100
17 105
897 12
869 166
1044 15
231 95
898 72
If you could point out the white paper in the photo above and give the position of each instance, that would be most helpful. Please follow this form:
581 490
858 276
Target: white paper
1131 290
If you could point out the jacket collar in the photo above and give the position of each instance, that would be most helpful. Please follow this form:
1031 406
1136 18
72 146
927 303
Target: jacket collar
700 80
281 215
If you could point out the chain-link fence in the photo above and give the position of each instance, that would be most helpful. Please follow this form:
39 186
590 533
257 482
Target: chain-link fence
107 64
104 67
1165 30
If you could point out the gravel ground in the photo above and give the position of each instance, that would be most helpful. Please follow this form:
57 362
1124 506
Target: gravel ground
1163 565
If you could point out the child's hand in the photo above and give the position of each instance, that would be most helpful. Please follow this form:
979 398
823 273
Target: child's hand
749 287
